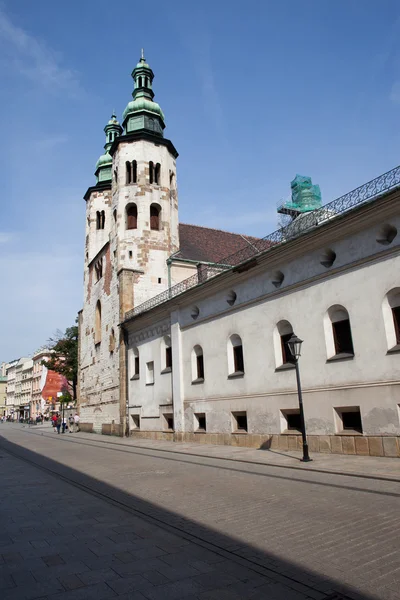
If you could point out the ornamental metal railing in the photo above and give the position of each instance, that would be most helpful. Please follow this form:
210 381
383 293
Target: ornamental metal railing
302 224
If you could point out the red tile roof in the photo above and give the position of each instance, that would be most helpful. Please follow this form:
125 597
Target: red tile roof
210 245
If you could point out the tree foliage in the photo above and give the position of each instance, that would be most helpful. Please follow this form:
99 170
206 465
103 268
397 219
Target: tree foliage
64 356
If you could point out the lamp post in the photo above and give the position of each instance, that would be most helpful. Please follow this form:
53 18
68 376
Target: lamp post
295 348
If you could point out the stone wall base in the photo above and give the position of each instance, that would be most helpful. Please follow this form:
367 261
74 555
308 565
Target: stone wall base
86 427
112 429
361 445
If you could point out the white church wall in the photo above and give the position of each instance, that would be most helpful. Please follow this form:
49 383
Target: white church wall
363 269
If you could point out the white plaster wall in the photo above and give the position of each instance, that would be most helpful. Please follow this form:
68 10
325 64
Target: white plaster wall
370 380
150 401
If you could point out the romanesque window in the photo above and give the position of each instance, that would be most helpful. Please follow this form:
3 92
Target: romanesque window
97 327
111 345
131 216
391 317
235 355
100 219
128 169
171 180
134 171
166 354
134 363
131 172
282 334
157 173
151 171
98 268
155 211
197 364
341 329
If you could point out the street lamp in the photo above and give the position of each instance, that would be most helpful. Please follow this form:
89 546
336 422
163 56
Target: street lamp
295 348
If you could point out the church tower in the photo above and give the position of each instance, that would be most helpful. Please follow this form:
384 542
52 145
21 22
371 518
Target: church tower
131 231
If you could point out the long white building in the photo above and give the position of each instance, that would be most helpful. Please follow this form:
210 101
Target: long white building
184 329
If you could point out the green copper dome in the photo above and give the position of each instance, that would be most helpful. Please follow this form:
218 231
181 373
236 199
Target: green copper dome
142 113
104 160
103 170
140 104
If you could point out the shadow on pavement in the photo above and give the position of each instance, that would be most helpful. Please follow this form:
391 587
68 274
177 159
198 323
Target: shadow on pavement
308 584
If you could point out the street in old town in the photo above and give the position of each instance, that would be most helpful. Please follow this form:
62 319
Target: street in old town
108 517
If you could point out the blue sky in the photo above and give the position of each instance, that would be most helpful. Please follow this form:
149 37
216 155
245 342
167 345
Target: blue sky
253 92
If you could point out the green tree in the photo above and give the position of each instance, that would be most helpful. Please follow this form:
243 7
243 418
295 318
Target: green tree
64 356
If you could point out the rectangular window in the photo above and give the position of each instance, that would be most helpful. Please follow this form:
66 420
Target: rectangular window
135 421
150 373
291 420
342 337
136 366
200 366
396 321
169 421
168 358
238 359
200 421
350 419
239 421
287 356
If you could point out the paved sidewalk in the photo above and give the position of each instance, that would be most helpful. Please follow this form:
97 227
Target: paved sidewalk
312 532
58 542
366 466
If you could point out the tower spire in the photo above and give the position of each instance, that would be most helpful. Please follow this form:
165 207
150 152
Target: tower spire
103 166
143 114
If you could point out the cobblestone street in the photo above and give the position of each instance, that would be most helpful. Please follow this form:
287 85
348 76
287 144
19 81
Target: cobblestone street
84 517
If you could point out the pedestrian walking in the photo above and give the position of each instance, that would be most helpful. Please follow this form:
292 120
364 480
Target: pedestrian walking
76 422
64 424
71 423
54 421
58 423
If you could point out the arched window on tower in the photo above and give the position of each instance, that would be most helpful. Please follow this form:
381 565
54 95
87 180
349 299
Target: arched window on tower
155 212
100 219
131 216
147 82
134 171
97 326
128 169
151 171
140 82
157 173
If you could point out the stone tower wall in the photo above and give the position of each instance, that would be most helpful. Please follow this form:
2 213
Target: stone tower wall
143 250
99 363
134 270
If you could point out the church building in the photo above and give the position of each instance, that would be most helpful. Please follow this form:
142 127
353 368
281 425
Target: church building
184 329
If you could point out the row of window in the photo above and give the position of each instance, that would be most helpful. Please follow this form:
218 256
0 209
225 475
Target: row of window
131 172
131 217
337 329
131 221
347 420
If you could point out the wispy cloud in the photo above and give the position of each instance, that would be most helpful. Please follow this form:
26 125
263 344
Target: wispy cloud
33 59
6 237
